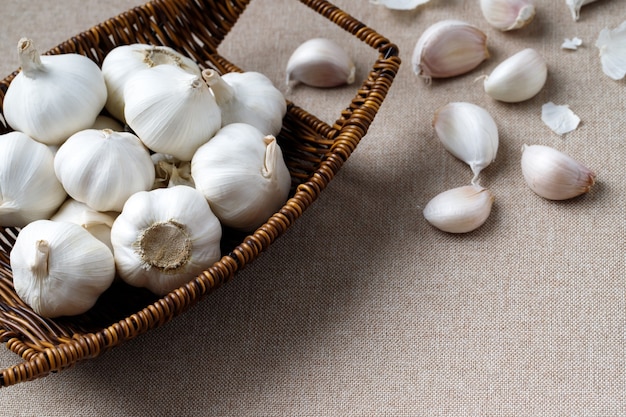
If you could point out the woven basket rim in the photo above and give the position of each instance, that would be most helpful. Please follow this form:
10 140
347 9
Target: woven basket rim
343 136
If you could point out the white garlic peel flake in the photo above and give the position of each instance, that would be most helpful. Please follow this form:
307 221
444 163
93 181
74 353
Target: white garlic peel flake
612 46
400 4
560 118
54 96
59 268
469 133
553 174
572 44
449 48
460 210
518 78
29 189
322 63
163 238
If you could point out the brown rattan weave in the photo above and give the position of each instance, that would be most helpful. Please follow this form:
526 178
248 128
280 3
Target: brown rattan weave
314 151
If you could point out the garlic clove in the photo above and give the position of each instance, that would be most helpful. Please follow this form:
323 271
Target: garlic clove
575 6
508 14
612 46
517 78
460 210
561 119
449 48
400 4
322 63
554 175
469 133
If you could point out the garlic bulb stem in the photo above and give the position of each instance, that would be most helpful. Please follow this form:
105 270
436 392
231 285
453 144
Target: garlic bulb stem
40 266
223 92
29 58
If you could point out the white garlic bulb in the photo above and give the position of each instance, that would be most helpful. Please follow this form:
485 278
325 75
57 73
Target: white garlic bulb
164 238
59 268
553 174
517 78
459 210
508 14
97 223
449 48
102 168
320 62
53 96
171 110
171 171
125 60
29 190
468 132
248 97
242 174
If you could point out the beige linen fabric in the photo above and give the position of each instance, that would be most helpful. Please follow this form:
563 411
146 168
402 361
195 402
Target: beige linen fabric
362 308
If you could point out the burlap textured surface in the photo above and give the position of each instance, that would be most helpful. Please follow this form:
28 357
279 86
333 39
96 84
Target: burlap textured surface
362 308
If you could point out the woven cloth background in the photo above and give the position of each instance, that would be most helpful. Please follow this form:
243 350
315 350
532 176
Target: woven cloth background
362 308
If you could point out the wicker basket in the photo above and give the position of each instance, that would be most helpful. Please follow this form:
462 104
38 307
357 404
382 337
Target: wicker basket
314 152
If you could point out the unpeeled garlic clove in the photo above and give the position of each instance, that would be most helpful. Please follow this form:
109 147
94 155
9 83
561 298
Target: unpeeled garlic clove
449 48
322 63
459 210
554 175
612 46
517 78
508 14
468 132
400 4
575 6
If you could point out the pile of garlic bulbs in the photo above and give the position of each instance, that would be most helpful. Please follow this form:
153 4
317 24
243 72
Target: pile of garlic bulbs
133 170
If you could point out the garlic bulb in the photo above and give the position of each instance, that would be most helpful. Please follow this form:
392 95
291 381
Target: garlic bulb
320 62
171 171
612 46
125 60
449 48
165 237
242 174
400 4
29 190
53 96
459 210
172 111
97 223
248 97
554 175
59 268
468 132
508 14
517 78
575 6
102 168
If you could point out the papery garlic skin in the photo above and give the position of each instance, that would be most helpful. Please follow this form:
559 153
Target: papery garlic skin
171 171
164 238
29 190
460 210
612 46
53 96
242 174
171 111
575 6
59 268
469 133
97 223
102 168
518 78
449 48
561 119
554 175
124 61
400 4
248 97
508 14
322 63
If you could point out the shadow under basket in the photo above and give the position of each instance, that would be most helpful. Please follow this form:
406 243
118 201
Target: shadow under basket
314 152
